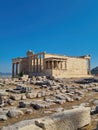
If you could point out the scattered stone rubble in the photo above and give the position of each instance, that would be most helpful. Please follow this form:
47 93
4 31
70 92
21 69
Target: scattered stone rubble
66 120
41 93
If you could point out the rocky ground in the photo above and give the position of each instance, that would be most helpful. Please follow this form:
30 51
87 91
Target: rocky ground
39 96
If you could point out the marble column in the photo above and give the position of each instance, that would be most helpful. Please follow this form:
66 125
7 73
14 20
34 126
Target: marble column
89 71
48 64
13 71
16 68
37 63
40 63
61 65
34 64
57 65
19 68
65 65
52 64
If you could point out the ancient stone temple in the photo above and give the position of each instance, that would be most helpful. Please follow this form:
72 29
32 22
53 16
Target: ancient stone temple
51 65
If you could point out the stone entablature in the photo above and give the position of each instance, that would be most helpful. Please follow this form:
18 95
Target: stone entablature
52 65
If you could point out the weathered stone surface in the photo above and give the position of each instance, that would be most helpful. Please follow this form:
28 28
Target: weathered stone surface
40 105
23 89
23 125
58 101
23 97
49 99
77 97
69 99
10 102
84 104
14 113
24 104
95 89
3 118
3 111
95 102
2 104
3 93
31 95
29 111
60 97
13 91
31 127
96 109
67 120
16 97
39 95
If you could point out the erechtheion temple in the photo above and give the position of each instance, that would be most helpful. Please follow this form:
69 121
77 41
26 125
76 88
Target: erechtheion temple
52 65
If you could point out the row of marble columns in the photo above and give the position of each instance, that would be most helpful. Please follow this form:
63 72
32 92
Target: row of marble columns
15 69
37 63
55 65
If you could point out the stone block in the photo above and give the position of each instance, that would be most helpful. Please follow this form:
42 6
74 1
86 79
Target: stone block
67 120
31 95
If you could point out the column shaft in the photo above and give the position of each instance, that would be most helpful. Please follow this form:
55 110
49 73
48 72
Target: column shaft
40 64
89 71
61 65
48 64
52 64
16 68
12 70
34 64
37 63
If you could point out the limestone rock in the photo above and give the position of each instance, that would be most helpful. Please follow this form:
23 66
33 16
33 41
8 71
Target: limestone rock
58 101
39 105
23 125
31 95
24 104
67 120
95 102
14 113
29 111
3 118
16 97
10 102
23 97
3 93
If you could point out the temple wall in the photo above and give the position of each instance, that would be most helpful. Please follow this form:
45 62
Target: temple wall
75 67
48 72
60 66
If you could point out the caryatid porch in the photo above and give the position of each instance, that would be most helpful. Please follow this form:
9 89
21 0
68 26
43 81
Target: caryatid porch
55 63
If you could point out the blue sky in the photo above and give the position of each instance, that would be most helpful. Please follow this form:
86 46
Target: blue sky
68 27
